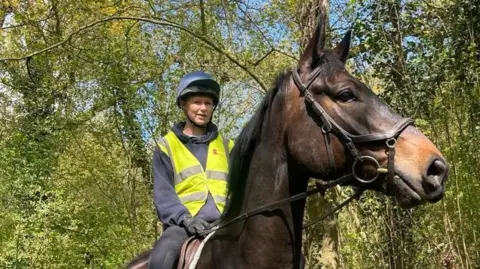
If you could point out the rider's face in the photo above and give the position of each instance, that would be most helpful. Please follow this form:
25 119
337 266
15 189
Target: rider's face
199 108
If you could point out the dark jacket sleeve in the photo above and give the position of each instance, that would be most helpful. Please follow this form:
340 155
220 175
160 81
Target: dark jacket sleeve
169 208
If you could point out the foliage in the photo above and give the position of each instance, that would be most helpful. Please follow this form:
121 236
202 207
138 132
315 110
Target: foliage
87 87
424 58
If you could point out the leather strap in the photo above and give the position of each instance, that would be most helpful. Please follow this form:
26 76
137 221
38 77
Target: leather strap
391 165
311 79
328 144
394 132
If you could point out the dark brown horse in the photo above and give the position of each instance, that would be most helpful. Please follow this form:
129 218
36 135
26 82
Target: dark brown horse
317 122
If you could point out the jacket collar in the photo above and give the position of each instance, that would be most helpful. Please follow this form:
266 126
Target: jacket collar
212 133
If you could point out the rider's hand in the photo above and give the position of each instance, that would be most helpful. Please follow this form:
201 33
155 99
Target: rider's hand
193 225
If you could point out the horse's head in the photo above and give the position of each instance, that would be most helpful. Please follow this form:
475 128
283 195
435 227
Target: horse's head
334 122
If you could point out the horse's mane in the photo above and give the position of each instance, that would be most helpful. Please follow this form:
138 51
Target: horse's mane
241 155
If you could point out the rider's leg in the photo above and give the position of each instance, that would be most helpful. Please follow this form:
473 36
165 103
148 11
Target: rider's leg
167 249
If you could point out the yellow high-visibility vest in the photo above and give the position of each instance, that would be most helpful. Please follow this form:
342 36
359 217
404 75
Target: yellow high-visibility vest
192 182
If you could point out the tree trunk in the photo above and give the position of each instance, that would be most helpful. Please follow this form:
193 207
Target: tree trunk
308 18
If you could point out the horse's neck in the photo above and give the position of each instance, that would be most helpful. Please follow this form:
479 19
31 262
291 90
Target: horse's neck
272 238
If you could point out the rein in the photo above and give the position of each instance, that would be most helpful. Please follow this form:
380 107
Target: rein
321 187
349 140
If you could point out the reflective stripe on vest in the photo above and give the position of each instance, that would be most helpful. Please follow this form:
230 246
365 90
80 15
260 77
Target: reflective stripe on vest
192 182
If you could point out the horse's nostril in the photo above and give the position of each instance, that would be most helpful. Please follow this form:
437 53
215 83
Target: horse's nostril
436 173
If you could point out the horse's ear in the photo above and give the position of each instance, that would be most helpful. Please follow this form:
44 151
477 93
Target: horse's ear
314 49
343 48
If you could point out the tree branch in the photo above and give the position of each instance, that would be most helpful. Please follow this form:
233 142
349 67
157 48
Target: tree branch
245 13
202 17
162 22
263 58
286 54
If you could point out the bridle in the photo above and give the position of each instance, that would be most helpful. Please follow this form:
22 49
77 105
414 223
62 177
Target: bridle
349 140
329 126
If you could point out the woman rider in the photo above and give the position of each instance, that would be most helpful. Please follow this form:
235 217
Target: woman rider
190 166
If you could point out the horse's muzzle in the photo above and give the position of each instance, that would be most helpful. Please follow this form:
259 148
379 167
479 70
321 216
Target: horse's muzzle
434 178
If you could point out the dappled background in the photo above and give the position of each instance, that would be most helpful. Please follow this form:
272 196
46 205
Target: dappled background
88 86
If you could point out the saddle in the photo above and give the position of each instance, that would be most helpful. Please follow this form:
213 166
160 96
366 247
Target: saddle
189 249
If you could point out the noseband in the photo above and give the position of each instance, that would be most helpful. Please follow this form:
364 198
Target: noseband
349 140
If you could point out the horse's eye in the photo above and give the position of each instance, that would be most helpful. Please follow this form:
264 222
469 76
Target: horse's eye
346 95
